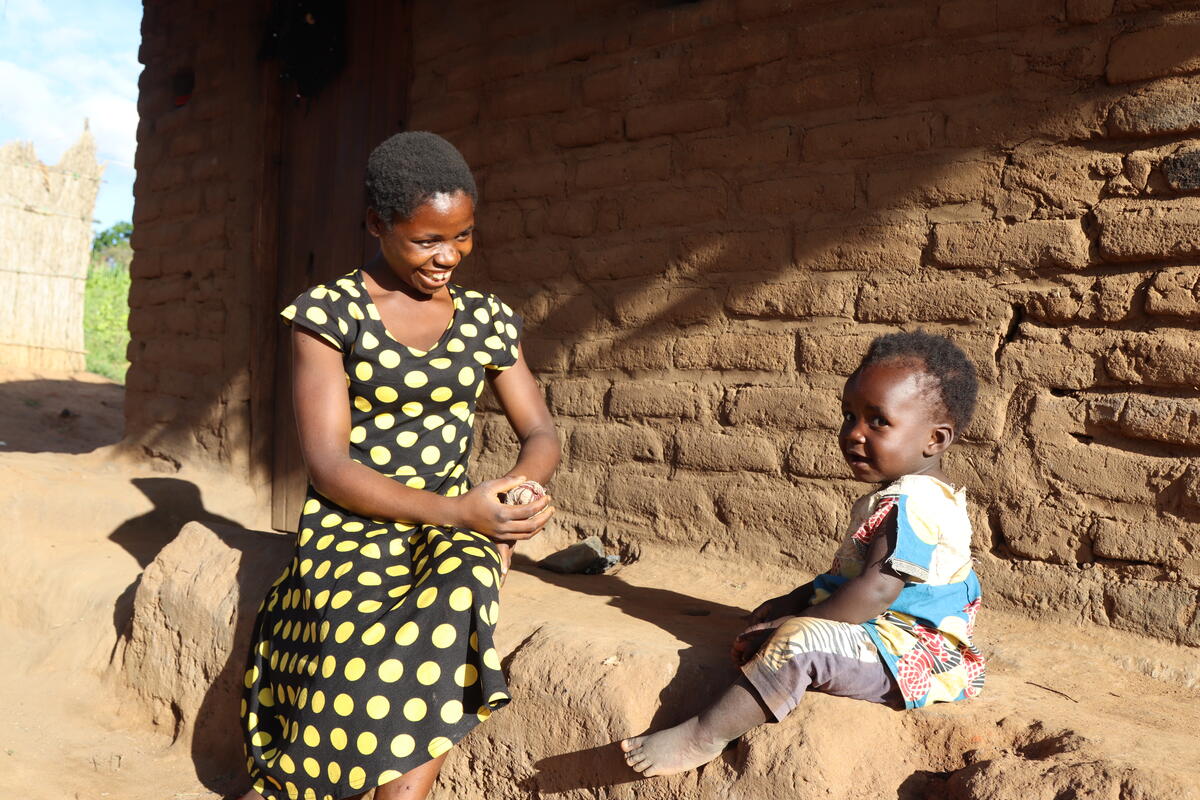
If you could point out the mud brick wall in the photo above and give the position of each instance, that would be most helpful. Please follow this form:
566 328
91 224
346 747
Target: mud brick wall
705 211
202 347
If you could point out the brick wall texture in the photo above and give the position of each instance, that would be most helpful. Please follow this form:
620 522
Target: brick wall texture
705 211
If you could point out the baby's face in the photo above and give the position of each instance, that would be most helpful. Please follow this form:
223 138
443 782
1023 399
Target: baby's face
888 425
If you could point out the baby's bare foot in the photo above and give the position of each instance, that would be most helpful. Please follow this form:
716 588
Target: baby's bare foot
671 751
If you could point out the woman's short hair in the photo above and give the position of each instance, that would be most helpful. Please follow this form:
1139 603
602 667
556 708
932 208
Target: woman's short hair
409 168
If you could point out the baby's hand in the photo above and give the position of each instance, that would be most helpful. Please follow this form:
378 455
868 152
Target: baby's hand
747 643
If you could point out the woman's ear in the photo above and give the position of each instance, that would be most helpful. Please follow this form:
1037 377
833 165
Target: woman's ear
375 224
940 437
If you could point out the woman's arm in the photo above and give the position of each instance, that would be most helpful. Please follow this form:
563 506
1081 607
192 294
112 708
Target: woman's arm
522 402
869 595
323 421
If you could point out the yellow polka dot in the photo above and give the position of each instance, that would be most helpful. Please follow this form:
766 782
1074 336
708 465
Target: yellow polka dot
389 775
482 574
474 551
389 358
344 631
448 434
341 598
362 404
432 421
431 455
369 342
356 777
369 579
374 634
305 535
449 565
455 346
380 455
355 668
440 363
443 635
403 745
358 434
426 598
441 394
260 739
363 371
386 394
406 438
337 738
266 698
466 376
452 712
286 764
312 767
428 673
318 702
460 599
343 704
378 707
415 379
414 710
370 550
391 670
466 675
482 358
439 745
493 342
412 408
334 770
328 666
343 568
316 315
366 743
511 330
483 713
384 421
407 633
491 659
311 506
346 546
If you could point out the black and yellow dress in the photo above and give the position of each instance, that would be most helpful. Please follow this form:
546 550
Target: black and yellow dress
373 650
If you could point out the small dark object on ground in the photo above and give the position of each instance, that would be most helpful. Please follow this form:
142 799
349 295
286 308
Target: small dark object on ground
586 557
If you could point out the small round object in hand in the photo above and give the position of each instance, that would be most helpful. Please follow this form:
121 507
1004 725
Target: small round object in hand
527 492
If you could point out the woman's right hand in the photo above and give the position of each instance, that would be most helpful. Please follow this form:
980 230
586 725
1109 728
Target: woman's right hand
787 605
481 510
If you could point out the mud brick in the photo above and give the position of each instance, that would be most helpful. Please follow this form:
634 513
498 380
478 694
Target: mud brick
864 247
720 452
871 137
661 399
632 353
1175 292
586 128
1154 53
644 306
933 75
862 29
1161 419
813 296
1168 107
805 93
527 95
667 207
1182 170
816 454
572 218
679 117
787 197
1089 10
630 165
658 26
740 251
1025 245
545 179
740 150
785 407
748 49
936 301
622 260
735 351
615 444
1134 230
830 354
450 113
1156 359
630 495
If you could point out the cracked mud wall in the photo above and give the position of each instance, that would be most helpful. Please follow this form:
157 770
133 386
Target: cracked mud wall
705 211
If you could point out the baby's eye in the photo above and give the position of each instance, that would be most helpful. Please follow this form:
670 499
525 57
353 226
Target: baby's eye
879 422
847 416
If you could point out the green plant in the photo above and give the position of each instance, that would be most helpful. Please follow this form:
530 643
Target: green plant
106 303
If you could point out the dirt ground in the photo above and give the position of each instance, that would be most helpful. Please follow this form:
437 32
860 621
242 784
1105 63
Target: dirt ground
1069 712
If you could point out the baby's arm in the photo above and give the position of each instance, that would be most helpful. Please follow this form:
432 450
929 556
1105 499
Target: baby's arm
787 605
869 595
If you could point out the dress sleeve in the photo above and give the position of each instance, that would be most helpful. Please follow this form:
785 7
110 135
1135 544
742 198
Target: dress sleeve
917 535
319 311
505 336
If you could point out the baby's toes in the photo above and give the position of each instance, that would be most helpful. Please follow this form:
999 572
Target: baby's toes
632 743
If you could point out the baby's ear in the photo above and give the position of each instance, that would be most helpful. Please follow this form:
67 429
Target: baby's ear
941 436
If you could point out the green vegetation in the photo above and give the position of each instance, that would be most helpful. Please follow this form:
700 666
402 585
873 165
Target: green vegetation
106 303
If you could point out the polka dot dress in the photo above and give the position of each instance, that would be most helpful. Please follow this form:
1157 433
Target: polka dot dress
373 650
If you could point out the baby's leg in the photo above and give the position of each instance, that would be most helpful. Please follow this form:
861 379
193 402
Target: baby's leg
698 740
803 653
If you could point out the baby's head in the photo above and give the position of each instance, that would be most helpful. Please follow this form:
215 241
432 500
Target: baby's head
906 403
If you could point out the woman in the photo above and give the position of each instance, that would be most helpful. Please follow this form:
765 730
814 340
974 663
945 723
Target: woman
374 651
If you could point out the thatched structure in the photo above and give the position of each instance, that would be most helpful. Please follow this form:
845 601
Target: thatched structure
45 235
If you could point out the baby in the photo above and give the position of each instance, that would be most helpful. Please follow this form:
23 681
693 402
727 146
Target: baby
892 619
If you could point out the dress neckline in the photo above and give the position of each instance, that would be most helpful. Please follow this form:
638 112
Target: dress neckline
378 317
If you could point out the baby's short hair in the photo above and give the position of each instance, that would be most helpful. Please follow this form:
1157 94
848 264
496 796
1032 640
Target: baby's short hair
941 359
411 167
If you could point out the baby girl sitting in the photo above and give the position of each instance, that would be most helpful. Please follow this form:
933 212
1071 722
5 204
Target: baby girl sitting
892 619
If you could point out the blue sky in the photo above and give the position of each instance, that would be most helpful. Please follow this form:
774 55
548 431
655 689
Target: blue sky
62 61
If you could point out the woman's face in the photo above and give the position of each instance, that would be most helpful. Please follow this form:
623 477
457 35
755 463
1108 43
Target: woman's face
424 249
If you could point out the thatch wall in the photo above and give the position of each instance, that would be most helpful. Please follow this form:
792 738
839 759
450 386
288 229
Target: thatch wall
45 235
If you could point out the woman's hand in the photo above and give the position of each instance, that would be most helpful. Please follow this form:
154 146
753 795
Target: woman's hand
481 510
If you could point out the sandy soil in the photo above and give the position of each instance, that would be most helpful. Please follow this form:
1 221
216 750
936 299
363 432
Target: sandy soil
1066 707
